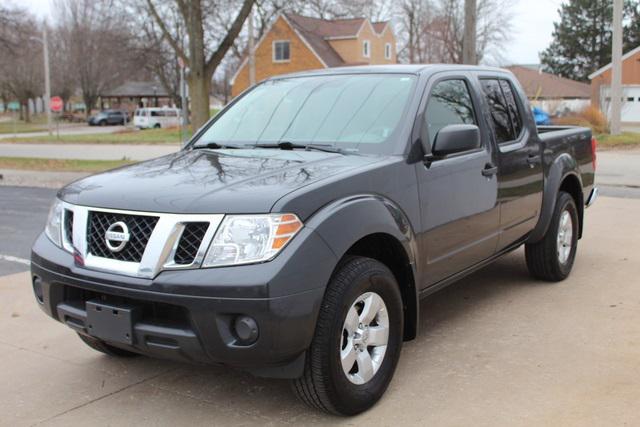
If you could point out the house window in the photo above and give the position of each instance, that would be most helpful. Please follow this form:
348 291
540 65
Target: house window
366 49
281 51
387 51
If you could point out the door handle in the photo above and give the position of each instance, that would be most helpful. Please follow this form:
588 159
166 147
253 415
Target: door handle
489 170
532 160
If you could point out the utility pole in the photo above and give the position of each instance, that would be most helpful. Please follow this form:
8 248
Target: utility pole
469 55
616 68
47 82
252 53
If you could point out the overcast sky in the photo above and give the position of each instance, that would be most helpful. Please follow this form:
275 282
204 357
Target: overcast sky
532 24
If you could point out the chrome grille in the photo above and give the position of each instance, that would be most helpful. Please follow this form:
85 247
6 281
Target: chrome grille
140 229
190 242
68 225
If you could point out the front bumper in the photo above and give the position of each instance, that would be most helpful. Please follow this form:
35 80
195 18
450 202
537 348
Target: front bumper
188 315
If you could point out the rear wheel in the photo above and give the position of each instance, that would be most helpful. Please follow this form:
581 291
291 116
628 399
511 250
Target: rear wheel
552 257
102 123
105 348
357 341
157 126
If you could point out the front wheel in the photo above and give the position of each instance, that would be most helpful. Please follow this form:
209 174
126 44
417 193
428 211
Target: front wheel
357 341
552 257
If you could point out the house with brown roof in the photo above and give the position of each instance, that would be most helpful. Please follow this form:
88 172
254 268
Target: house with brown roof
298 43
601 87
554 94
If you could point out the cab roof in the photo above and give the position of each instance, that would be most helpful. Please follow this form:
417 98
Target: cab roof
416 69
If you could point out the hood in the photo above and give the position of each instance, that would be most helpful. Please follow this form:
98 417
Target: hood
210 181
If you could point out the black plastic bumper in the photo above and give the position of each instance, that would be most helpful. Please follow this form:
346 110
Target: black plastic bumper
189 315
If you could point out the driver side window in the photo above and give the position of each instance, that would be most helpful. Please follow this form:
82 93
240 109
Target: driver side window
449 104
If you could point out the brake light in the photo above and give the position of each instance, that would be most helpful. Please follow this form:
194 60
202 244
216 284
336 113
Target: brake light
594 146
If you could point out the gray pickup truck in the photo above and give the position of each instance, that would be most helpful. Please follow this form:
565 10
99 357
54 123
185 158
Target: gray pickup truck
295 234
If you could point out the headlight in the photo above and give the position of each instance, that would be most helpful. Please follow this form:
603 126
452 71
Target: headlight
245 239
53 229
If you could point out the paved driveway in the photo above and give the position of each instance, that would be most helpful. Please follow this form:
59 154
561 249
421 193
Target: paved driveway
497 349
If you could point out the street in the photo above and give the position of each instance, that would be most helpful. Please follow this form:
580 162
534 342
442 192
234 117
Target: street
497 349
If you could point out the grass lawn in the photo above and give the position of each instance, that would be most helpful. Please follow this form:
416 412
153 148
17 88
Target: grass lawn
38 123
60 165
147 136
624 140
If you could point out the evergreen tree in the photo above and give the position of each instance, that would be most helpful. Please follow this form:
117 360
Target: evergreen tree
582 39
632 26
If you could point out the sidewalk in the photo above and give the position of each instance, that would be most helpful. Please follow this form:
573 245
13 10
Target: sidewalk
87 151
27 178
66 129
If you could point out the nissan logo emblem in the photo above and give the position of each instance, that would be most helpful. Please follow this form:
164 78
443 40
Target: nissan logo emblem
117 236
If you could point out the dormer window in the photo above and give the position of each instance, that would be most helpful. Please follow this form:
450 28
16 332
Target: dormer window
281 51
387 51
366 49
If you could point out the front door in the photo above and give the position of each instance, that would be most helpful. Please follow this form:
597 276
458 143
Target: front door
520 178
458 193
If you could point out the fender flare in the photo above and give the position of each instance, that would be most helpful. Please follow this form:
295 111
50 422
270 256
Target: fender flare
346 221
562 167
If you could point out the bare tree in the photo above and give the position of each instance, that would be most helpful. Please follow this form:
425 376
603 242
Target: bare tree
433 30
96 42
206 23
21 60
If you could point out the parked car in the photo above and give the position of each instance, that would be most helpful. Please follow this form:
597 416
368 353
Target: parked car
147 118
296 233
109 117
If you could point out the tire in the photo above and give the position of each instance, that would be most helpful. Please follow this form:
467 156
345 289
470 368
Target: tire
546 260
157 126
325 384
102 123
105 348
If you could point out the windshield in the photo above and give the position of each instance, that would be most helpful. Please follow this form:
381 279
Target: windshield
346 111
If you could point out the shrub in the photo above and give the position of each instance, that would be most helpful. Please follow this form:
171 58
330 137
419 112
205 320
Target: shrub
590 117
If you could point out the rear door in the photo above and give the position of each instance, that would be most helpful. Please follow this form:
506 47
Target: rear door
458 198
520 177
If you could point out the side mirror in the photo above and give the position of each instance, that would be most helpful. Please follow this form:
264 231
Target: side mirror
453 139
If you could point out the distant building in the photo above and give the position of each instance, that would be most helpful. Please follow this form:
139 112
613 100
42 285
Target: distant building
132 95
554 94
601 87
298 43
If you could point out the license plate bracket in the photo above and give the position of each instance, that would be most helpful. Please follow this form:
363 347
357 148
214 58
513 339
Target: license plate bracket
113 323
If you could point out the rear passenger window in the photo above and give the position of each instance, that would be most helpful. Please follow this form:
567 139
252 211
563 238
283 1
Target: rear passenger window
514 112
449 104
505 114
499 110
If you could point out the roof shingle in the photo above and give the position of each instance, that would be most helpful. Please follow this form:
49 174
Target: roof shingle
317 32
543 85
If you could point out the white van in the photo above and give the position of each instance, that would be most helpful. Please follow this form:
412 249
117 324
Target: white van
147 118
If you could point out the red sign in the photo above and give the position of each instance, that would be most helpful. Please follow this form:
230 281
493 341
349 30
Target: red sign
56 104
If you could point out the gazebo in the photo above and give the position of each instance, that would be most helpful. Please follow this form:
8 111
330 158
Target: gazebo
132 95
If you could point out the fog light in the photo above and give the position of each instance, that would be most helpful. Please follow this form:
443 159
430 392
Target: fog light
246 329
37 289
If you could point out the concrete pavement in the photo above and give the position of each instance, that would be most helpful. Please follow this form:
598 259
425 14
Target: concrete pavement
618 173
497 349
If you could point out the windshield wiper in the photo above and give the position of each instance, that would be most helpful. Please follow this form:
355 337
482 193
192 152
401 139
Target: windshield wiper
286 145
213 146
